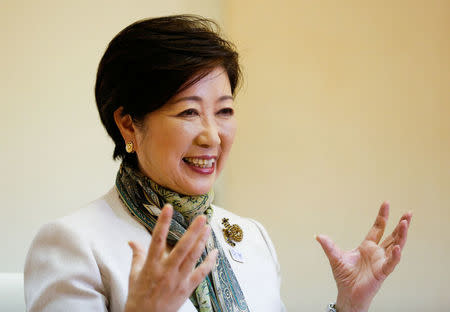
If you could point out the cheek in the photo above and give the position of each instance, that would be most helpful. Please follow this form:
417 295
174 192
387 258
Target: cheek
159 146
148 152
227 139
176 141
228 134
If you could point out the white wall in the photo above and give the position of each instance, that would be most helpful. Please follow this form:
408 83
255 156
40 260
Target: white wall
55 154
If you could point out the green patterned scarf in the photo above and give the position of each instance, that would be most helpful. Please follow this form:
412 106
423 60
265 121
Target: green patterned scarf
220 290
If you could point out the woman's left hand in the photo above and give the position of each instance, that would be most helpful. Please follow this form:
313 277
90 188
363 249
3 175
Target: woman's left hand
360 272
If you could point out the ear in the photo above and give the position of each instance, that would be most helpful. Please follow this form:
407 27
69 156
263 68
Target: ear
125 125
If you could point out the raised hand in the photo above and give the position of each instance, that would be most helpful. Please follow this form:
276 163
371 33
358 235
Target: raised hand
360 272
163 283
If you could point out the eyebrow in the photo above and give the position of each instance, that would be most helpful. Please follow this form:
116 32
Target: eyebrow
199 99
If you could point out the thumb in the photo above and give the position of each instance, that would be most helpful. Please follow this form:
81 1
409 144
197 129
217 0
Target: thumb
332 252
137 261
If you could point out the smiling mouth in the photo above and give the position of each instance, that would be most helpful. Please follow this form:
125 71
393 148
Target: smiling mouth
199 162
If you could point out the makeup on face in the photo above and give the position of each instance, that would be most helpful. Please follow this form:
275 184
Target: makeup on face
184 145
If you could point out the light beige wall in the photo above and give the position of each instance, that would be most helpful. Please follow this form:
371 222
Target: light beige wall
55 154
345 104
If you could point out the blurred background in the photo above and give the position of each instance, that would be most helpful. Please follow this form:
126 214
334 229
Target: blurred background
344 104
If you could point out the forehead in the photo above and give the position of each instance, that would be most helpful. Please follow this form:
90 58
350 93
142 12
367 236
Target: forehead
215 83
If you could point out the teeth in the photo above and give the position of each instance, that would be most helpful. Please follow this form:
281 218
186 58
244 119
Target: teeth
198 162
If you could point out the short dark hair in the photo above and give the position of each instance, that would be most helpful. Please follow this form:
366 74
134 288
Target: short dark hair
150 61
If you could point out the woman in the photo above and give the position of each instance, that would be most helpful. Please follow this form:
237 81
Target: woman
164 91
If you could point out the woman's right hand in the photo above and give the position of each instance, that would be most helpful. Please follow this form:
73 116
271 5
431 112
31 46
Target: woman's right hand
163 283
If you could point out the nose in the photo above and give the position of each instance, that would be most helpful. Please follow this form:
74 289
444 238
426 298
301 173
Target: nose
209 135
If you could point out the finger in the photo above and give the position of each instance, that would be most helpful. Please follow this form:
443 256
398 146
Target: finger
387 242
159 235
377 230
203 269
407 217
392 261
391 238
184 245
137 261
192 257
400 240
332 252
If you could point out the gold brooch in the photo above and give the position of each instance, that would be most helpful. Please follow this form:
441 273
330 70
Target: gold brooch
232 233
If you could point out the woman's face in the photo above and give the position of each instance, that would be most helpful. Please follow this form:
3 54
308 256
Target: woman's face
184 145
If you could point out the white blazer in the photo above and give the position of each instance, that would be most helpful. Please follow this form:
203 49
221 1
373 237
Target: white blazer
81 262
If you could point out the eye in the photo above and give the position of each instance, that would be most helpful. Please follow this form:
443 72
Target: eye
226 111
188 113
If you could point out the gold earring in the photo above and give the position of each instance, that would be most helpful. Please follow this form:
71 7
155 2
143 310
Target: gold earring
129 147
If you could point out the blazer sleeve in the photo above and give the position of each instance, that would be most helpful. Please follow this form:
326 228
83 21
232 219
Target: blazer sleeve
272 251
61 273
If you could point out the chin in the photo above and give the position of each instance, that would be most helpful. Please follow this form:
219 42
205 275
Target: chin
197 188
198 191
